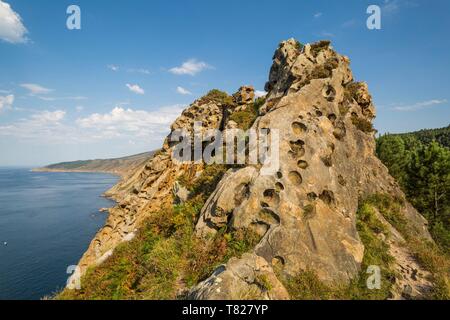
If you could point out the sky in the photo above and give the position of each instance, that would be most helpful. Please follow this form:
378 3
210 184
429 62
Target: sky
114 87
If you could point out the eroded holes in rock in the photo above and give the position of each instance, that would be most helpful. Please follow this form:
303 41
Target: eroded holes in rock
312 196
332 117
297 146
340 131
295 178
329 93
279 175
342 181
264 205
269 216
278 262
242 194
327 161
299 128
309 211
302 164
279 187
271 196
327 196
319 113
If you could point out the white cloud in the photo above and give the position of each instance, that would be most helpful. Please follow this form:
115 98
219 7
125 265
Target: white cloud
183 91
317 15
6 102
79 108
260 93
113 67
190 67
42 126
120 124
11 27
420 105
77 98
135 88
35 89
390 6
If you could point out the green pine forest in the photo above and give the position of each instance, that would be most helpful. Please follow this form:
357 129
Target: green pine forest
420 161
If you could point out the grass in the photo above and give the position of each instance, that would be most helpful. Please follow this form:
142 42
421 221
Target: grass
317 47
363 125
428 254
307 286
165 257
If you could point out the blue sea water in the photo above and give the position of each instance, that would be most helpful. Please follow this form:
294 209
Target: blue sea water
47 221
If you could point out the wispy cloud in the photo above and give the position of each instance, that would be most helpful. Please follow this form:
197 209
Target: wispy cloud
390 6
183 91
190 67
138 70
76 98
6 102
12 29
113 67
318 15
327 34
35 89
260 93
419 105
135 88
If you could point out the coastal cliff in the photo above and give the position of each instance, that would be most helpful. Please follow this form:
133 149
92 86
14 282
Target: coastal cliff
326 215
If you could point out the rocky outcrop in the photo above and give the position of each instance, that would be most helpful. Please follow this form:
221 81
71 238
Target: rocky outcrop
153 187
305 211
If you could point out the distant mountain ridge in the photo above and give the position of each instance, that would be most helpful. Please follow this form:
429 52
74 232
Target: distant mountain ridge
426 136
119 166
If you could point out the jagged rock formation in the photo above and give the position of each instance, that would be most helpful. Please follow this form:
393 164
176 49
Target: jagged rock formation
305 213
153 187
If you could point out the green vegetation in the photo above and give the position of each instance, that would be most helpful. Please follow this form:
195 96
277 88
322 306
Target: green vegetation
319 46
423 171
307 286
217 96
247 117
428 254
165 257
363 124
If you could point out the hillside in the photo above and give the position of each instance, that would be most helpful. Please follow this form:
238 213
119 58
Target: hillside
119 166
426 136
311 219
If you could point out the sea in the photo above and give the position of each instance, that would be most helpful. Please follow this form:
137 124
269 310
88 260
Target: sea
47 221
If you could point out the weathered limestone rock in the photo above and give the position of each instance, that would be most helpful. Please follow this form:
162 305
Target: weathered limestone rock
245 95
248 278
151 188
306 212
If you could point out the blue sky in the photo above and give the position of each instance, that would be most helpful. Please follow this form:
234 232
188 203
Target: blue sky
113 87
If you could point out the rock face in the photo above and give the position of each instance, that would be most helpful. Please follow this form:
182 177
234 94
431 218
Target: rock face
305 213
153 187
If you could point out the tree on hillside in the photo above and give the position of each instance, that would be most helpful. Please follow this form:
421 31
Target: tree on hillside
392 152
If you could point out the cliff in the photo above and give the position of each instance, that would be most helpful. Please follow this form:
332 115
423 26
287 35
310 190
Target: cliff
329 210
